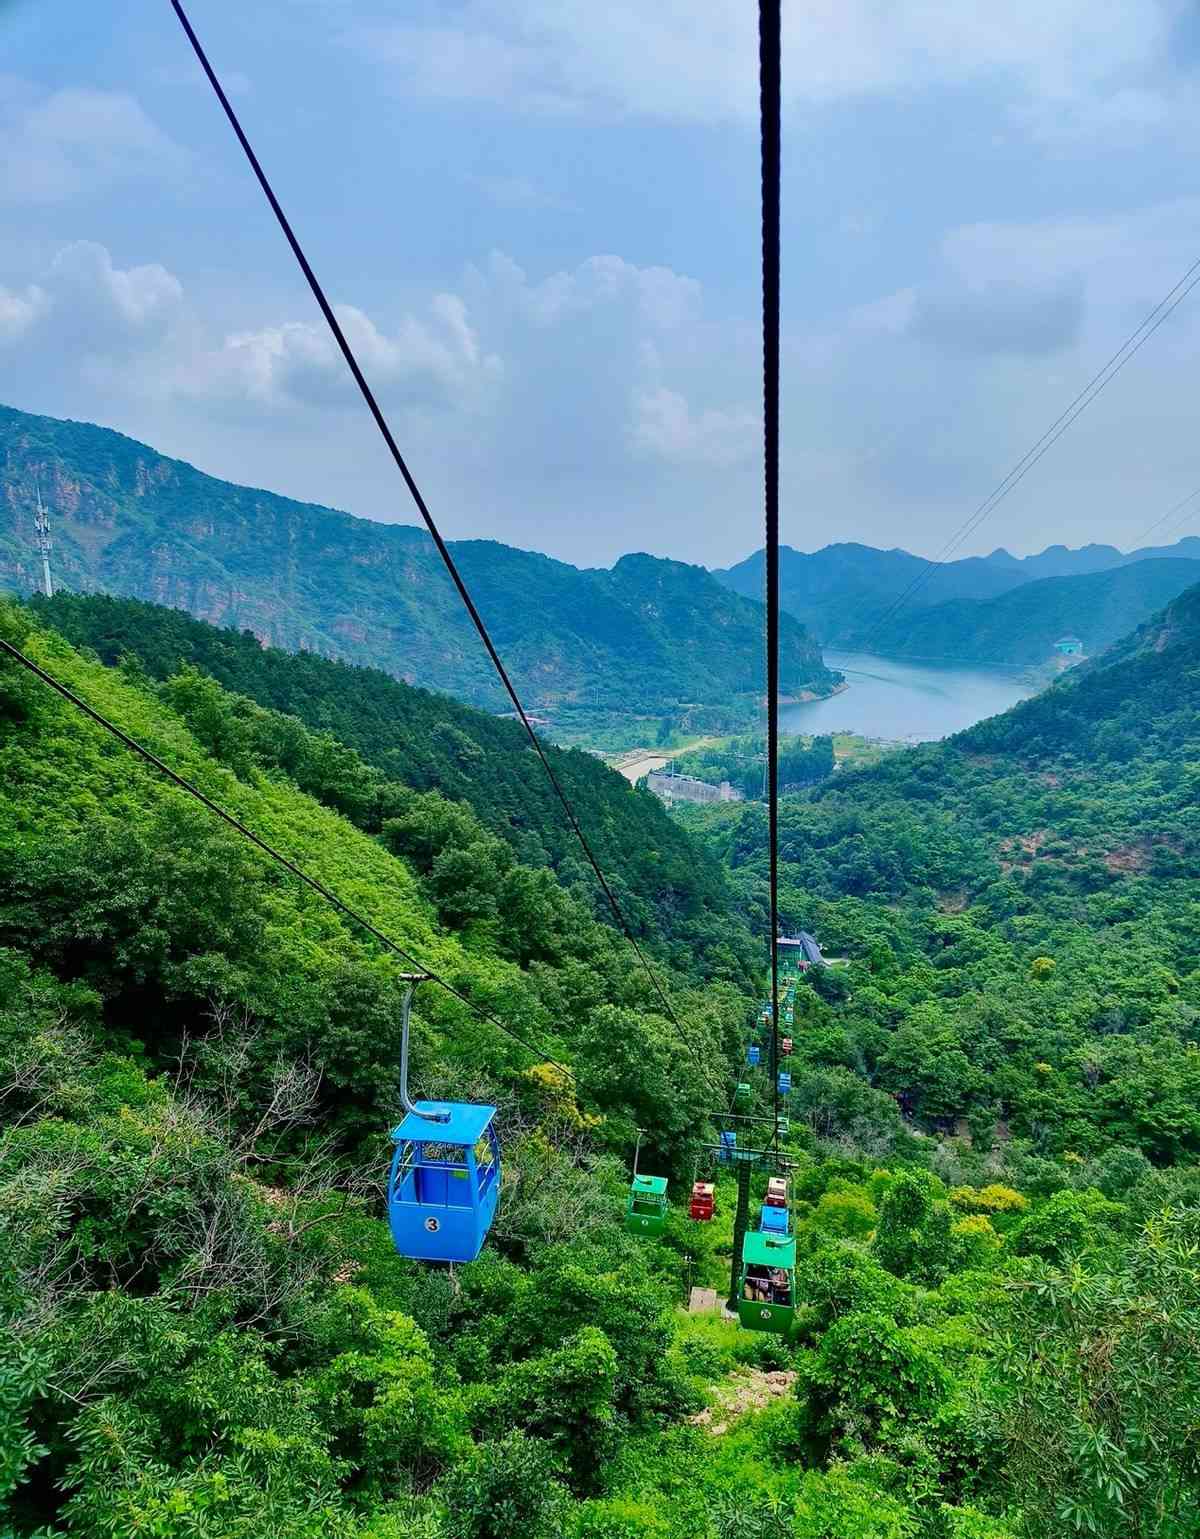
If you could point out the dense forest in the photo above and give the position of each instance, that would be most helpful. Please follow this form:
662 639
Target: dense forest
429 742
648 635
993 1129
740 760
1019 905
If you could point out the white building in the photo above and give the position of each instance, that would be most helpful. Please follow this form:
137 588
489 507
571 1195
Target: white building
683 788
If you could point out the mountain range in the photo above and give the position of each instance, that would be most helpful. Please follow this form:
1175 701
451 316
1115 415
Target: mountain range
845 594
648 637
649 634
1022 625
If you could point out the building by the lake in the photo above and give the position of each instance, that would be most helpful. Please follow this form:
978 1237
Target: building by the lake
684 788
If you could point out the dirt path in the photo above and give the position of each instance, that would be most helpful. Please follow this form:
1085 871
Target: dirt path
749 1390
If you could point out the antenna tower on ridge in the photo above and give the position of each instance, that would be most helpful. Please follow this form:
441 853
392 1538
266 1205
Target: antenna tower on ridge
41 522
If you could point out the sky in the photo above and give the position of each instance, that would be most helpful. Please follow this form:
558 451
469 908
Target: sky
539 221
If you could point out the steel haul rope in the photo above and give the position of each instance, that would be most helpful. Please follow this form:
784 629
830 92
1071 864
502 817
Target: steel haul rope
15 653
427 518
770 106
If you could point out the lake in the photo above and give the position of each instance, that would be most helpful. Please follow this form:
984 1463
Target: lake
911 702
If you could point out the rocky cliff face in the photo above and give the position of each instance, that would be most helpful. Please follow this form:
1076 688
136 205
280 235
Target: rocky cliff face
131 522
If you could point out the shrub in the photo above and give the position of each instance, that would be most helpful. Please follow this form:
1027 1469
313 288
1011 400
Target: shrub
974 1241
850 1214
988 1199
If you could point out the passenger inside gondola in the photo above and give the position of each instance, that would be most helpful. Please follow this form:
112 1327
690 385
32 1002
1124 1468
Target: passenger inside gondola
767 1285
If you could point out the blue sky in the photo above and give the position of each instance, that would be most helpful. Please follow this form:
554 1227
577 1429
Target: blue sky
541 219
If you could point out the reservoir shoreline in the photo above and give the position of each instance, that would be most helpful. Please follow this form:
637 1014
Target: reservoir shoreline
898 700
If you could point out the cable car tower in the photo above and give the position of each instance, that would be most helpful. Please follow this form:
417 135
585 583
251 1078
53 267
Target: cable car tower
41 524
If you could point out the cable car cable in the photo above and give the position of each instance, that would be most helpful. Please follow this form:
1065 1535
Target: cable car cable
443 549
277 855
1133 344
769 70
1163 517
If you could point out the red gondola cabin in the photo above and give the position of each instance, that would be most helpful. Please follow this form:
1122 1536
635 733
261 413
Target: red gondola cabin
703 1203
777 1192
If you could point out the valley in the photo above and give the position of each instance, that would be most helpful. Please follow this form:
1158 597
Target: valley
992 1107
530 1006
989 1102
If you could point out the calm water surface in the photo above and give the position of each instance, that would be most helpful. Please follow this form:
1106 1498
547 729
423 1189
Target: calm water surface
915 702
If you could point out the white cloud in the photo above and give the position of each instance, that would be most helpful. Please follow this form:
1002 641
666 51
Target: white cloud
19 313
665 427
422 361
697 59
86 308
1121 256
1023 314
663 299
76 141
134 299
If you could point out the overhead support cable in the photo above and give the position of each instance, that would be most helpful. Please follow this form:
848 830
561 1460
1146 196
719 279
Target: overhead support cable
1132 345
770 108
330 897
1189 502
443 550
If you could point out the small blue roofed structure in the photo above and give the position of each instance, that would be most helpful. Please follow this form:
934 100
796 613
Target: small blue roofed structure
1069 646
444 1182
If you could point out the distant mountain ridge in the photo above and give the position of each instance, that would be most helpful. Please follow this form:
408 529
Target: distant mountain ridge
1021 626
647 635
842 592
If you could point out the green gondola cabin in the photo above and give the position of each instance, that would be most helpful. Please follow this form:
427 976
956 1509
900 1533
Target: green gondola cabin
646 1211
767 1291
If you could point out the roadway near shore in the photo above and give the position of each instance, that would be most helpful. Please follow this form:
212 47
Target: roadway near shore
641 761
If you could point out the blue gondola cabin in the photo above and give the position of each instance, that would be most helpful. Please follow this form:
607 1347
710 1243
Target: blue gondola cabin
785 1083
444 1182
752 1055
728 1149
774 1221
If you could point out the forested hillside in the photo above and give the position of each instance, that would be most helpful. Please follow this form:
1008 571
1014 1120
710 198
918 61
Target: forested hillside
993 1127
1021 626
1019 907
430 742
646 636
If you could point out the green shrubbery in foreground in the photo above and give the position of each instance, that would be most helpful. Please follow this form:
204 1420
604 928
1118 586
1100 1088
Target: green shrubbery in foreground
206 1331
